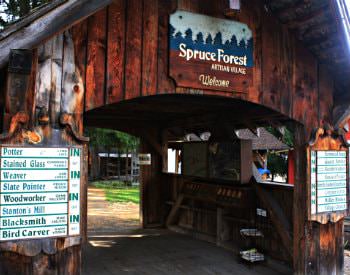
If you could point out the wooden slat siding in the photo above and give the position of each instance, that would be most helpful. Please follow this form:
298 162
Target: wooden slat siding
18 89
151 186
327 249
327 239
165 84
339 243
325 86
95 71
56 78
79 36
73 81
150 48
271 47
192 6
43 81
133 49
31 91
217 10
305 88
116 51
254 21
286 71
313 245
299 201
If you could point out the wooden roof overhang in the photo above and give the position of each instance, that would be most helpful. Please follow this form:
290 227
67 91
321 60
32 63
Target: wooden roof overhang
183 114
314 23
317 24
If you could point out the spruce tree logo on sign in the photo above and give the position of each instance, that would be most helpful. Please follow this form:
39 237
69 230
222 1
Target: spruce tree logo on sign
210 53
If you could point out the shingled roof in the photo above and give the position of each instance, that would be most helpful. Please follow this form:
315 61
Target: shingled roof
264 141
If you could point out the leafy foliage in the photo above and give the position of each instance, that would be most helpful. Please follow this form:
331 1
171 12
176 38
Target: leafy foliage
277 164
111 138
12 10
287 137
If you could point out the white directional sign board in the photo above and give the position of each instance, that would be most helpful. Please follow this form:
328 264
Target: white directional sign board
39 192
328 181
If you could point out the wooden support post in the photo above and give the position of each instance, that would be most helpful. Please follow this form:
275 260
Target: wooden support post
164 151
54 125
152 201
318 248
299 211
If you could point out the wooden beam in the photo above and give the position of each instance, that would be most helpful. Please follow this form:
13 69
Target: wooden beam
21 23
174 210
57 20
153 142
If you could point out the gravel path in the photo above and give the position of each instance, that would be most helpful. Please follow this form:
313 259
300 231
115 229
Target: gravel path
347 262
110 217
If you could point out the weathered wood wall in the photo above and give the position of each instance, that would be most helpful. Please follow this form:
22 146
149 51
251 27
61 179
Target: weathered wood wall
44 106
122 52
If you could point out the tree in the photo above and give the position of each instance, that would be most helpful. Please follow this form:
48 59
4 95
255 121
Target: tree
242 44
250 44
287 136
12 10
209 39
234 41
188 35
277 164
218 39
200 39
108 139
178 35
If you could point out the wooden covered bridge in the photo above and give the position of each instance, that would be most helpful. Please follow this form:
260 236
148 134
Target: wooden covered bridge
161 69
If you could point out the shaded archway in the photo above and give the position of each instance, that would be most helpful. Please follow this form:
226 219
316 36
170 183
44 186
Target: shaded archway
158 119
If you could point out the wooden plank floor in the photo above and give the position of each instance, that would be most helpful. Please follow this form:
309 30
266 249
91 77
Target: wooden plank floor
161 252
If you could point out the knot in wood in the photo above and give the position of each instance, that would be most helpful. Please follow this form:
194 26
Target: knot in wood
76 89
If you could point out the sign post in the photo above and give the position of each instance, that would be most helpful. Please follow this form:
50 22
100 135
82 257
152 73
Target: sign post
210 53
328 169
40 192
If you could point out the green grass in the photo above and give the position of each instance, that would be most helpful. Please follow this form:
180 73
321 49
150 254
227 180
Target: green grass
117 191
131 194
